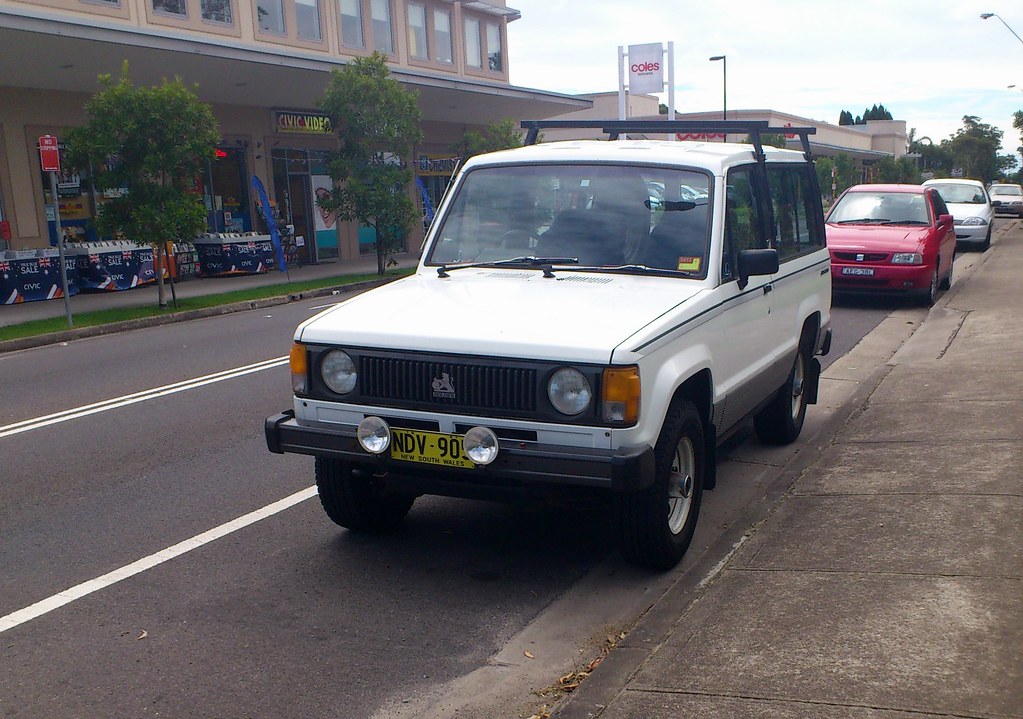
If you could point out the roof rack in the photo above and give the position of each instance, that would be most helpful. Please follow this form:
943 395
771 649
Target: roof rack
613 128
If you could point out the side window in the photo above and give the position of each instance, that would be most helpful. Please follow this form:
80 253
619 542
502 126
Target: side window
742 218
794 202
938 205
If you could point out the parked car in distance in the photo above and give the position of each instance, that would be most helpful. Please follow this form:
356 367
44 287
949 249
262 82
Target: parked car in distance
891 239
971 207
1007 199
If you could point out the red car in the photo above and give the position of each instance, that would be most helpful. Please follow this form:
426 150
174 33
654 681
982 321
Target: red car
891 239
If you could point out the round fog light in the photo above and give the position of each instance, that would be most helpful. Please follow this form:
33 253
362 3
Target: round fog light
480 445
374 435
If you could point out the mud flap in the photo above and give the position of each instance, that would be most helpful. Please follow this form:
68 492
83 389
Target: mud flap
710 453
811 382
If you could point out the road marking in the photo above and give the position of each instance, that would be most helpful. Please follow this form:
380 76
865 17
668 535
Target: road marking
78 591
128 399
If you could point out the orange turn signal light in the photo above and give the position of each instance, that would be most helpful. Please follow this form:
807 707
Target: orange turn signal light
620 395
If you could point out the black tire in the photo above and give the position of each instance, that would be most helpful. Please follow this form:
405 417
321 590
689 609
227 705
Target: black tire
655 525
987 240
356 501
929 296
781 421
946 284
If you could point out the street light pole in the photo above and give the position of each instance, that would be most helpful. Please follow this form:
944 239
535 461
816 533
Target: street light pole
724 84
986 15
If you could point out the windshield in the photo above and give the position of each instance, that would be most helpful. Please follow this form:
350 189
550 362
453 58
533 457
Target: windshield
889 208
1006 190
962 194
606 216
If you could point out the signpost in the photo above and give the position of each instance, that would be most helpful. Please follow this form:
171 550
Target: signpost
49 160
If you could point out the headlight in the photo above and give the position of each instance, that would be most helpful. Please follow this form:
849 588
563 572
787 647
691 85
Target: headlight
374 435
974 221
338 371
480 445
569 391
907 258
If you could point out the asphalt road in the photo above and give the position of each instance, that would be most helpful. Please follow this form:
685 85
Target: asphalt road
117 600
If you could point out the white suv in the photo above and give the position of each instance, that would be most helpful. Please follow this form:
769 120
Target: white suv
569 333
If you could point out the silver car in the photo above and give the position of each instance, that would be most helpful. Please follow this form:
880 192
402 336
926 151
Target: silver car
971 210
1007 199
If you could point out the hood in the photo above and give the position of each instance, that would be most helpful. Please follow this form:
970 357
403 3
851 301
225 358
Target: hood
573 317
875 238
962 210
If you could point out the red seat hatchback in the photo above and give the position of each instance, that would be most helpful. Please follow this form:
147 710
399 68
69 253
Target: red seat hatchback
892 239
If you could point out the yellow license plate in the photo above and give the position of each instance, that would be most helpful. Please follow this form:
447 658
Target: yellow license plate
445 450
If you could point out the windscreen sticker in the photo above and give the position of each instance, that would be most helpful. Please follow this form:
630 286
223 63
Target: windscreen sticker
689 264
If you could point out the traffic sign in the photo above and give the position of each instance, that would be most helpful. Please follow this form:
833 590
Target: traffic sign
49 154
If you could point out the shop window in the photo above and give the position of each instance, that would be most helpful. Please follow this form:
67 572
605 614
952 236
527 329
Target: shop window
271 16
171 7
473 49
417 32
494 57
442 36
226 192
217 11
351 24
307 19
380 14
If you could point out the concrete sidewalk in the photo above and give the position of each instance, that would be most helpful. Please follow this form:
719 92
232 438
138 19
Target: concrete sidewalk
886 577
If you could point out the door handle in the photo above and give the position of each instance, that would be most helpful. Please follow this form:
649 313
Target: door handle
768 288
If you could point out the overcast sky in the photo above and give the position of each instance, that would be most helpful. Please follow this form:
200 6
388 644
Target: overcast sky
929 62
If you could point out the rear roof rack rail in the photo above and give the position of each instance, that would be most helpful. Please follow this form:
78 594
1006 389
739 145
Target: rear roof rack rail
614 128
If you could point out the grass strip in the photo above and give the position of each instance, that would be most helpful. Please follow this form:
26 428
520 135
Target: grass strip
120 314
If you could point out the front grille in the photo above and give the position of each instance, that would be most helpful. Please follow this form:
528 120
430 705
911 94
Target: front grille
449 384
867 256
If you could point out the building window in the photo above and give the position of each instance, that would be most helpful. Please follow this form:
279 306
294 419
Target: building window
417 44
442 36
494 57
111 3
171 7
217 11
307 19
351 24
380 14
473 50
271 16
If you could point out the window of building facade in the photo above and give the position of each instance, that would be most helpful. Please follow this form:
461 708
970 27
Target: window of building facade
111 3
495 58
217 11
307 19
443 50
171 7
271 16
383 36
351 24
417 33
473 47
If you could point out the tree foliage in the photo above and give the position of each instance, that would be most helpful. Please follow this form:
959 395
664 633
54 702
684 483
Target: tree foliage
769 139
845 174
877 112
903 170
974 150
501 135
377 125
151 142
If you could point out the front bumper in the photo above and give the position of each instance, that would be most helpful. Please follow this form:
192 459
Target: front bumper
972 234
521 465
886 278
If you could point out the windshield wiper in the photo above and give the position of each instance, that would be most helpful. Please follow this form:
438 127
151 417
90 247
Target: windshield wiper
864 221
526 261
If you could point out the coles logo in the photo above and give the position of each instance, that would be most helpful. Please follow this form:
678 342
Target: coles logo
646 67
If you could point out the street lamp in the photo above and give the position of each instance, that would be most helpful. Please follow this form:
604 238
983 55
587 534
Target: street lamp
724 84
986 15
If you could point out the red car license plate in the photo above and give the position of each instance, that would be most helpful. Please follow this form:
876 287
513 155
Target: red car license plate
858 271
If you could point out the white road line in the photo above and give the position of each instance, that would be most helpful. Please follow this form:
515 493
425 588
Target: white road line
128 399
129 570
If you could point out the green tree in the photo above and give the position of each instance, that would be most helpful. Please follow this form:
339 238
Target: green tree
377 125
501 135
152 142
974 149
902 170
769 139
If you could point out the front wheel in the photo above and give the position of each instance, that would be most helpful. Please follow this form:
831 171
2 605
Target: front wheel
656 525
355 500
781 421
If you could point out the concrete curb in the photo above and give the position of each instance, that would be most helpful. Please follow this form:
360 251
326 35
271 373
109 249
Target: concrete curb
184 316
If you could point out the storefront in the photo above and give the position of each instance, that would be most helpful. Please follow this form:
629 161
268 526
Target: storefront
225 190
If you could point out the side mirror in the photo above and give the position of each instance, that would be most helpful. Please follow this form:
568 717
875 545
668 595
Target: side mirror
945 219
996 203
756 262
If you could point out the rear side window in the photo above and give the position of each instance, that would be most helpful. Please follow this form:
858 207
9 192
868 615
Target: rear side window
742 218
796 207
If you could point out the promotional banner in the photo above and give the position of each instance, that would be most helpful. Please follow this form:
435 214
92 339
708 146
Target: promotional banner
36 278
271 222
113 270
247 255
646 68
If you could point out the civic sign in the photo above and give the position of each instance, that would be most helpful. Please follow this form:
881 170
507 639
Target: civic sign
49 153
646 68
